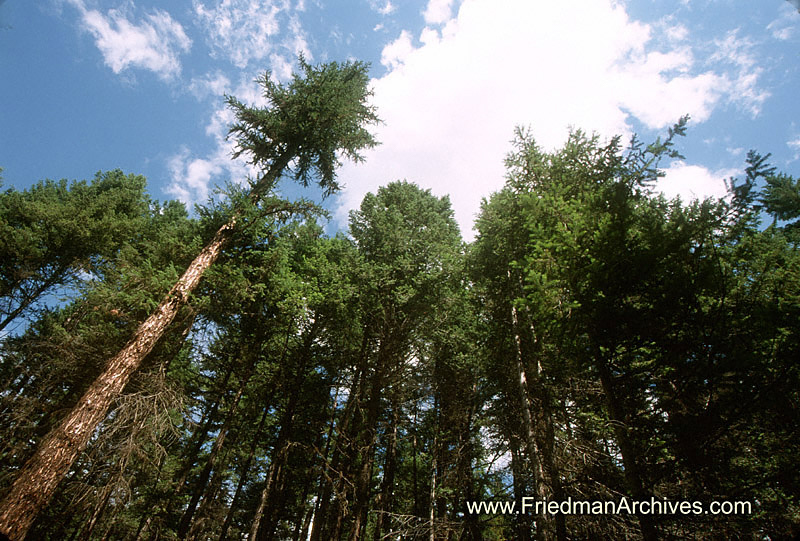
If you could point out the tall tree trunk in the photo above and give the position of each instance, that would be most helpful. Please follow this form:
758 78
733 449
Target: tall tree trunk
302 531
243 476
383 522
466 473
528 425
366 447
211 462
414 466
199 435
266 521
434 481
547 448
323 521
262 504
274 488
275 476
544 432
324 485
38 479
518 470
630 453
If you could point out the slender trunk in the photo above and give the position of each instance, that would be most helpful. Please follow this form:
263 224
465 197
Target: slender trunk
323 521
630 455
305 517
263 529
383 521
199 436
528 425
262 504
275 488
37 480
195 445
205 474
306 525
414 466
547 448
466 453
275 477
522 522
324 486
367 449
243 476
301 526
432 506
210 494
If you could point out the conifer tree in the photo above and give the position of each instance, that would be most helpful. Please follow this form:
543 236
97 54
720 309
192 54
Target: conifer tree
307 124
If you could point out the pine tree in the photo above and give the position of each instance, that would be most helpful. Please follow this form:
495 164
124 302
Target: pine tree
310 120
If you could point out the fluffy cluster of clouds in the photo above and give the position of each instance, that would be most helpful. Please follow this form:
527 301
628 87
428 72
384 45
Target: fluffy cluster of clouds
453 94
246 31
453 91
154 43
240 31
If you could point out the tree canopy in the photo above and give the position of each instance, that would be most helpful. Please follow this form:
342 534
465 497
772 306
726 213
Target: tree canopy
596 343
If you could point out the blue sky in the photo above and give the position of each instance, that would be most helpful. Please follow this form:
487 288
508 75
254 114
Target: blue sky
89 85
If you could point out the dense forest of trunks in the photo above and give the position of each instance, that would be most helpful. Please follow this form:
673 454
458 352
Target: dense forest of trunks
595 342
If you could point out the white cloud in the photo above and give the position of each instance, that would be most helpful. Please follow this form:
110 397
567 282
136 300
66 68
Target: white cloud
192 177
691 182
387 9
383 7
248 31
438 11
795 146
741 83
783 27
451 103
210 85
395 53
677 32
648 87
153 44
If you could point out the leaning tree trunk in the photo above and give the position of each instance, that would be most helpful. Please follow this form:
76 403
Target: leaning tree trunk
37 480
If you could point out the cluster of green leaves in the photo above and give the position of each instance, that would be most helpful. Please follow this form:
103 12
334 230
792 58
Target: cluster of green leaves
322 113
54 232
653 328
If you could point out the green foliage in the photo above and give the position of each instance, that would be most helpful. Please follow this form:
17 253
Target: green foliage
55 232
321 112
662 313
